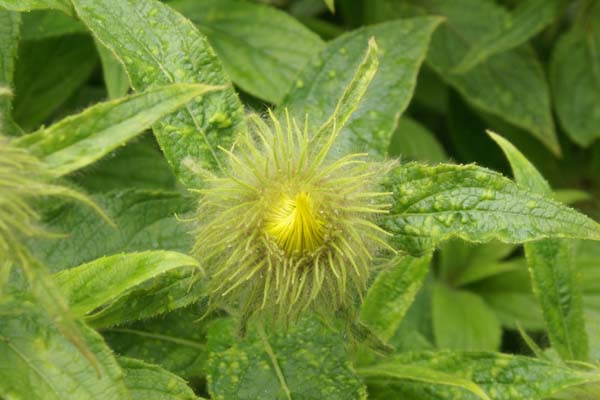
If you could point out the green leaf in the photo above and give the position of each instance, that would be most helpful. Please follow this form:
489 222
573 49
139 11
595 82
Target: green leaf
501 376
40 84
179 287
435 203
37 362
175 341
149 382
101 281
575 79
29 5
553 274
159 46
80 140
412 141
510 296
9 40
139 164
115 76
44 24
527 20
511 84
397 371
307 363
330 5
262 49
392 293
146 221
462 320
403 45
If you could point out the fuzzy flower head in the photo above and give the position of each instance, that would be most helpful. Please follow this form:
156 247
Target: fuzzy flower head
289 227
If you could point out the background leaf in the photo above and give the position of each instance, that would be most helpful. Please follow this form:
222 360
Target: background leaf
29 5
262 48
528 18
462 321
510 84
575 78
40 87
159 46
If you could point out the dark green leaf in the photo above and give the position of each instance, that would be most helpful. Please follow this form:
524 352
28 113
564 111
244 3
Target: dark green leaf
412 141
575 79
175 341
528 19
510 85
262 48
44 24
115 76
40 84
159 46
462 320
145 221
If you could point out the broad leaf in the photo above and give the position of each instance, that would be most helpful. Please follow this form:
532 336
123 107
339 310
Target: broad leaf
392 293
40 84
553 275
575 78
309 362
115 76
149 382
139 164
501 376
9 40
159 46
29 5
528 19
262 48
80 140
413 142
403 45
175 289
37 362
175 341
145 219
462 320
521 96
434 203
101 281
44 24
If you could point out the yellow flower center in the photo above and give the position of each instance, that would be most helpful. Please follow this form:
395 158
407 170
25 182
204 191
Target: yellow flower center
295 224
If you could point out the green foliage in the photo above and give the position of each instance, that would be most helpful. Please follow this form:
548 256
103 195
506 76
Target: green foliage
420 270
